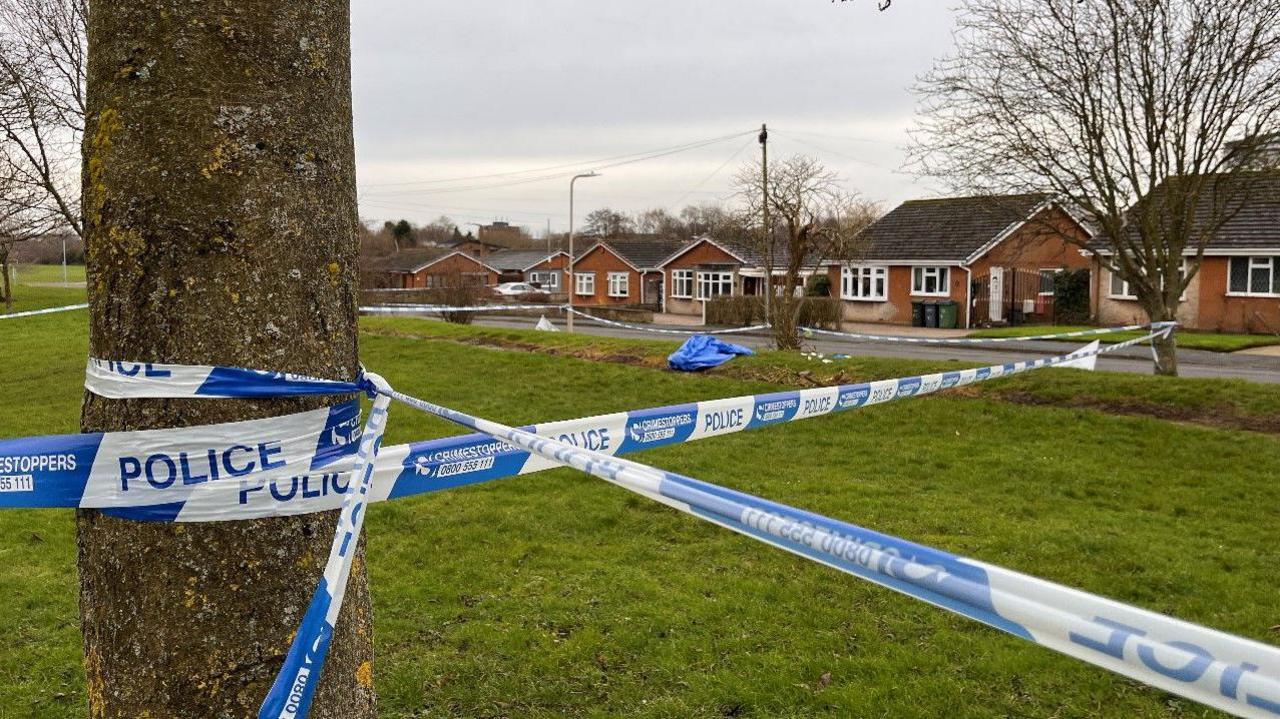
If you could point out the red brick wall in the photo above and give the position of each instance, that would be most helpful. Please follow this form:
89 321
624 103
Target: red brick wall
896 309
449 266
602 261
1038 245
703 253
1220 313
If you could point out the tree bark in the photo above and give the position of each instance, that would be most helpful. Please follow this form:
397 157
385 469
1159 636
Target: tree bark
4 284
1165 348
221 228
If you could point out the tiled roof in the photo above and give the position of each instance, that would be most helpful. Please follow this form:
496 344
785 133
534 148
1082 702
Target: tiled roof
750 253
643 254
409 260
518 260
1252 199
945 230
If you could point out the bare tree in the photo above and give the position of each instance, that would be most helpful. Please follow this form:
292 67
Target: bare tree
605 222
658 221
1125 109
812 219
42 97
24 216
705 219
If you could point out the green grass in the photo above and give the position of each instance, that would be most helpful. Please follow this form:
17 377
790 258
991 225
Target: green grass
557 595
48 273
27 296
1212 341
1213 400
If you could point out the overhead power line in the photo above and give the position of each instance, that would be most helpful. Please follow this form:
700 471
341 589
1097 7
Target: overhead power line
572 167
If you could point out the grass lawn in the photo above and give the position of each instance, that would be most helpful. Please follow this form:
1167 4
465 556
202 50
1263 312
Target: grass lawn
29 296
48 273
558 595
1212 341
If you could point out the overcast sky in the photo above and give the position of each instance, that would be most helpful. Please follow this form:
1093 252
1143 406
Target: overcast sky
446 91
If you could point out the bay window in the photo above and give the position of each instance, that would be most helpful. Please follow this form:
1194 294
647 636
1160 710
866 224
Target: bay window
864 282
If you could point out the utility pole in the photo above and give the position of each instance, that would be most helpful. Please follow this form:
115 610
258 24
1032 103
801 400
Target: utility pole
767 249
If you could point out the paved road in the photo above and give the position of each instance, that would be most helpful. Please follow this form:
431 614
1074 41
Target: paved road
1192 363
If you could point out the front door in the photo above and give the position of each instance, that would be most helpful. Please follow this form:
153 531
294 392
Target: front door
996 294
652 290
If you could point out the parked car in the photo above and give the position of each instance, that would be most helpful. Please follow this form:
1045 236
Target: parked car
519 289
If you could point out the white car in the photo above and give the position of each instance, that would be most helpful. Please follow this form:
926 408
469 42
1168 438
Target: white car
517 289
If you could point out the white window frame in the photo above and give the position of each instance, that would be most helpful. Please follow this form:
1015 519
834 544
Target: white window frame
1054 271
1253 260
1126 291
584 284
853 277
940 273
714 279
619 284
548 279
679 279
1128 294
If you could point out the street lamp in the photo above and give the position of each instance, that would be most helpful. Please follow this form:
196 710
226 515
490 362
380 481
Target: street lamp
572 279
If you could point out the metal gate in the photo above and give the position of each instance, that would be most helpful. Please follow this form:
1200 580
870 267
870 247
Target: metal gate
1010 295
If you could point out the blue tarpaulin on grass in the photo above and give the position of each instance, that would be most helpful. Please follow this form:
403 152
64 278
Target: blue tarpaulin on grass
701 352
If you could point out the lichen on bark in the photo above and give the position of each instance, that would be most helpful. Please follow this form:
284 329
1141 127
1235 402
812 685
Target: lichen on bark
220 211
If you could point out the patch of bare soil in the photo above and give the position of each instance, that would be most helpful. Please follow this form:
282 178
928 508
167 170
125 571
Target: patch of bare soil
1223 417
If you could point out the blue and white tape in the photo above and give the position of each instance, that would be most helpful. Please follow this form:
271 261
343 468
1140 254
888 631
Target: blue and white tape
36 479
291 693
154 474
441 309
1237 675
123 380
1217 669
47 311
1074 334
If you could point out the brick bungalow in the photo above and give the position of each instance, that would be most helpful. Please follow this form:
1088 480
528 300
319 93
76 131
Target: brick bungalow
1238 286
538 267
431 268
992 256
707 267
621 272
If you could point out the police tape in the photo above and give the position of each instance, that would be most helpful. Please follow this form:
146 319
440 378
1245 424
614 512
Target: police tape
46 311
124 380
442 309
623 325
1212 667
1221 670
204 474
291 693
1074 334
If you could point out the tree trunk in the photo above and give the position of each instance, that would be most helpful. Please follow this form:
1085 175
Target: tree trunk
4 284
221 228
1165 348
